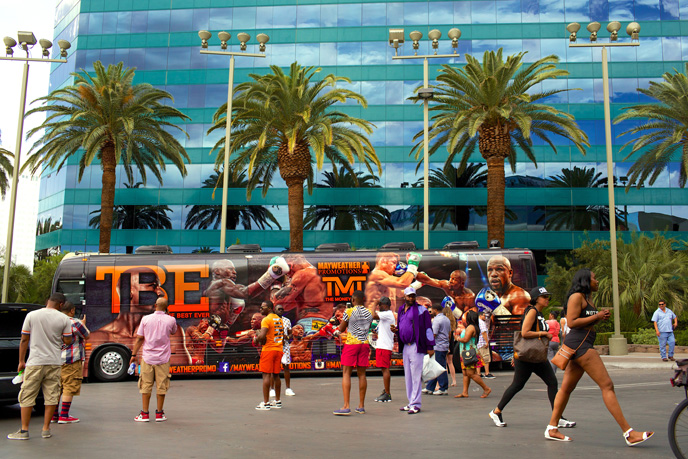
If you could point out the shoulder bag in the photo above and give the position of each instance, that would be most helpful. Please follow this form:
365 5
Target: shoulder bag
533 350
564 354
469 354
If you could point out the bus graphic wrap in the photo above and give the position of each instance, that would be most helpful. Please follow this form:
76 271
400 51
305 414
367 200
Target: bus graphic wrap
216 298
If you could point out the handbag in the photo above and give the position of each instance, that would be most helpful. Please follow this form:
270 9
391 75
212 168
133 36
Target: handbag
530 349
469 357
564 354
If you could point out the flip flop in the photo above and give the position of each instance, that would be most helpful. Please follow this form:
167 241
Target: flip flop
485 394
461 396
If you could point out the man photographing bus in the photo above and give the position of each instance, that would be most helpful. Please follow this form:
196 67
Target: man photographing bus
154 334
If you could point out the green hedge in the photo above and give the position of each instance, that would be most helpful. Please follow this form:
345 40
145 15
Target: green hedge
603 338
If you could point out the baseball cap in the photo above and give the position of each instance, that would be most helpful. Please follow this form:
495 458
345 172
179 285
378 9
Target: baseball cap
409 291
538 291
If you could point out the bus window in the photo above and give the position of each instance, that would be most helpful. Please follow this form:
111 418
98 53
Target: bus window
73 290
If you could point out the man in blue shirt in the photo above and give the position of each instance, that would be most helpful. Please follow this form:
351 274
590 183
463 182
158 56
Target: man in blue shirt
441 327
665 322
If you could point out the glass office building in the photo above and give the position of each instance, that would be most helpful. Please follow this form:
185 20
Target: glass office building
547 209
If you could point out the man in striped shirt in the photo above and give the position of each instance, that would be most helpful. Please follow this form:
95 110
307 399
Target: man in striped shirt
356 352
72 373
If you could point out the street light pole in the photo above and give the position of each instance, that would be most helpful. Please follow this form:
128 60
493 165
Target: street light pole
617 343
397 37
224 37
26 41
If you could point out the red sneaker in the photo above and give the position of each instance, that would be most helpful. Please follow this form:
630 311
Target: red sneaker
142 417
68 420
160 416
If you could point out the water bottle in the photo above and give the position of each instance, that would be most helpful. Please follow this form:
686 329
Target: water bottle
131 369
19 378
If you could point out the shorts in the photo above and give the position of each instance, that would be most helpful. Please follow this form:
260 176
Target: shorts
576 339
485 353
356 355
270 362
37 377
383 358
286 356
478 364
72 375
160 374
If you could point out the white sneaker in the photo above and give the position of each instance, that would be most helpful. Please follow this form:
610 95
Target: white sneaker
289 392
272 393
565 423
263 407
425 391
497 419
440 392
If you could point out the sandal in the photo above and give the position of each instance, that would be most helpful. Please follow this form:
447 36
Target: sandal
646 436
549 437
486 393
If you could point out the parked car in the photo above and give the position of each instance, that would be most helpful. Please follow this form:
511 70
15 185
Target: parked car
11 319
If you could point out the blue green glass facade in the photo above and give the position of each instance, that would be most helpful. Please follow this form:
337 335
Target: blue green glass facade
349 38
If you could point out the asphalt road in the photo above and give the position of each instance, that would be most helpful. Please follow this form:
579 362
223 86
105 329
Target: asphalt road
216 418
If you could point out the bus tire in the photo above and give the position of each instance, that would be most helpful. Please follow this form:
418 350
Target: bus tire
111 364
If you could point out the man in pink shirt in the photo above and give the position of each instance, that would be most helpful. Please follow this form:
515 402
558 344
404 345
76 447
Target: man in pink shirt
154 334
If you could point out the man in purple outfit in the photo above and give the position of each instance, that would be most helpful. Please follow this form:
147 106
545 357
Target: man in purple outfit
414 329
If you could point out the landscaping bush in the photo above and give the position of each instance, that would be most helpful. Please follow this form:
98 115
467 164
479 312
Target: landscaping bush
603 338
645 336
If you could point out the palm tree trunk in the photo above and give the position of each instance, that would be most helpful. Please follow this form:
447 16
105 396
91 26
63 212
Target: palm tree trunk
495 199
107 197
295 215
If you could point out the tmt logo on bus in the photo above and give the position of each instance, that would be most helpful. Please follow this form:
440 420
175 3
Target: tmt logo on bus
332 274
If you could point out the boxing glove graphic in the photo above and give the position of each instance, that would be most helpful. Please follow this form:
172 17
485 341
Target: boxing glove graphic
487 300
413 260
400 269
277 268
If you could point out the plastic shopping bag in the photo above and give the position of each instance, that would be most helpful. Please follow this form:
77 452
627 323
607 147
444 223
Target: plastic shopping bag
431 369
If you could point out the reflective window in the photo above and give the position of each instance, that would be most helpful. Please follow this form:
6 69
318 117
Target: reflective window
308 53
348 54
139 21
107 57
441 13
284 17
373 54
649 50
480 46
373 14
509 11
179 58
328 16
553 46
683 9
624 90
552 11
181 20
328 54
577 12
201 18
83 23
671 48
220 19
158 21
264 17
374 92
180 95
215 94
349 15
284 55
137 57
530 11
124 22
510 46
669 10
196 95
621 10
584 92
308 16
95 23
484 13
394 92
395 14
532 47
647 10
109 23
580 54
599 10
416 13
156 58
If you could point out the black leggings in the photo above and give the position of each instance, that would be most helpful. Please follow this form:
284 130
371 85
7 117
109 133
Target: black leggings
522 372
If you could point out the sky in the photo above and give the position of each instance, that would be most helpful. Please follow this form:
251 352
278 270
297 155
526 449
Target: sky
36 16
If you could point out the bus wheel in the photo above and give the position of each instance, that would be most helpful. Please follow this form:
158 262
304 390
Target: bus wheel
111 364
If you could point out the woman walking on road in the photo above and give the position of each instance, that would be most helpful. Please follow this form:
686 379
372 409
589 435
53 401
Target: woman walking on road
581 317
469 338
533 326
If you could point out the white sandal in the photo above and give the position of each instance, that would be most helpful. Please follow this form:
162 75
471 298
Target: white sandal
548 437
645 437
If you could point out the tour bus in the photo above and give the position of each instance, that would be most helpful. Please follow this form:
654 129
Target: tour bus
216 298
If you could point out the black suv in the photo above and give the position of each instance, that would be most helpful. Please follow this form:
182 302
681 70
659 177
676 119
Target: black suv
11 320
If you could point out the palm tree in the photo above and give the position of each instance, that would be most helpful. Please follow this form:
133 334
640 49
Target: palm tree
204 216
664 131
108 118
578 218
47 226
490 106
348 217
204 249
288 123
473 176
6 170
131 216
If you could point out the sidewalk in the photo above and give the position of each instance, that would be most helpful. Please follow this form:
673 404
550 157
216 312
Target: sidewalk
640 360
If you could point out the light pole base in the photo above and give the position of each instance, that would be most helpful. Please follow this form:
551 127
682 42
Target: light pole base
618 345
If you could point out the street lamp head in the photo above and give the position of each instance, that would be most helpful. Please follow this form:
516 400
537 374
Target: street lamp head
396 38
262 39
593 28
415 37
243 38
435 35
224 38
9 44
573 28
613 28
454 34
46 45
204 35
633 29
64 46
426 93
